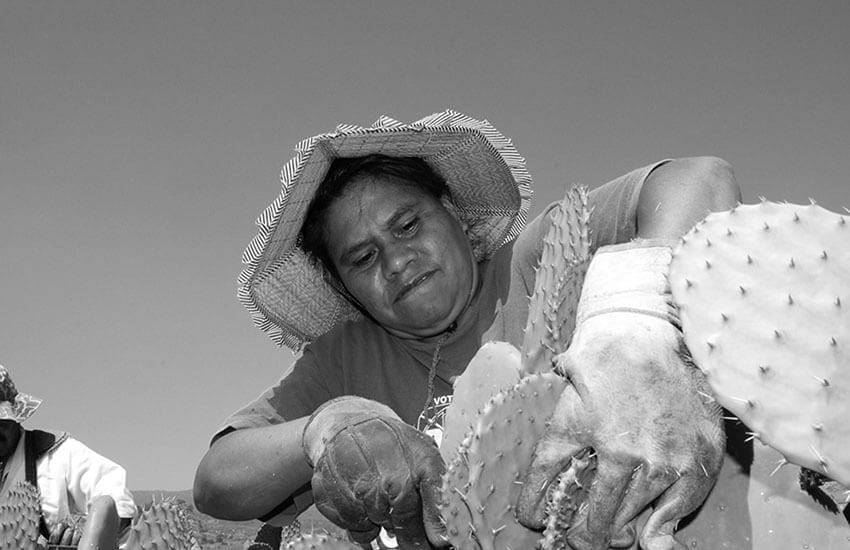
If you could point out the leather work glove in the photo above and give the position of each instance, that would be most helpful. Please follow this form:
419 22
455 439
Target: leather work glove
371 470
638 402
65 534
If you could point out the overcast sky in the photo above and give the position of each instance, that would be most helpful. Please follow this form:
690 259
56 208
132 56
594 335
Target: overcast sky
139 141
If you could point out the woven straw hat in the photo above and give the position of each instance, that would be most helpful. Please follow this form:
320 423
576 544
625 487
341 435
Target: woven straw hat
287 292
14 405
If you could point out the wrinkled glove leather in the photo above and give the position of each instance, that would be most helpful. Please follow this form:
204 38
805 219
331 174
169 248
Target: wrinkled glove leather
641 406
371 470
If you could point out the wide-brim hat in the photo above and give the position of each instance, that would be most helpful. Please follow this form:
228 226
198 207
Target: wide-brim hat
287 292
14 405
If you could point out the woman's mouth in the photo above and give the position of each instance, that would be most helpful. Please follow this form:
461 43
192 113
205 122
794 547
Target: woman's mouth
412 285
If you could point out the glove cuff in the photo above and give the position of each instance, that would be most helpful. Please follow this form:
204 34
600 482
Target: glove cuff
629 277
336 415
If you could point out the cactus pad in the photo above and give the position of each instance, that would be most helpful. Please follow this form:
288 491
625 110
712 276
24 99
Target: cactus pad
494 368
482 484
557 286
163 525
764 294
19 517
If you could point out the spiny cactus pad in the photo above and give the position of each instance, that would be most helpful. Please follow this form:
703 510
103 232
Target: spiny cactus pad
319 541
19 517
482 484
557 286
764 293
495 367
163 525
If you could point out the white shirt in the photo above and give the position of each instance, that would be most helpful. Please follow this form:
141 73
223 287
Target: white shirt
72 475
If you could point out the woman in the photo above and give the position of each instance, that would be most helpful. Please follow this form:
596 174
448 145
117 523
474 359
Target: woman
392 253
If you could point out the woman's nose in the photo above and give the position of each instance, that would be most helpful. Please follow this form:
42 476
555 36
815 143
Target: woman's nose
397 257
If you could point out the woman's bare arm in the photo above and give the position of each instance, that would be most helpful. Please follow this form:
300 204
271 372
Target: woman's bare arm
678 194
247 473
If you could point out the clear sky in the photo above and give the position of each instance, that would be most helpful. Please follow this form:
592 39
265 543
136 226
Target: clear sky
140 140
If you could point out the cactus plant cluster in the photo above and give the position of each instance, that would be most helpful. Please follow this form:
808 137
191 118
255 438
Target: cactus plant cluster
163 525
19 517
764 297
763 293
483 482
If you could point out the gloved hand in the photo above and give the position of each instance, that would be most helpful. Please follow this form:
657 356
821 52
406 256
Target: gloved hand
371 470
638 402
65 534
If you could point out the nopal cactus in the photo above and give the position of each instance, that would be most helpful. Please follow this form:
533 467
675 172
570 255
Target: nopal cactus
557 286
494 368
764 297
19 517
163 525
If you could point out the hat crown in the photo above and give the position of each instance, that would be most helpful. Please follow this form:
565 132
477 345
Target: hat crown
8 391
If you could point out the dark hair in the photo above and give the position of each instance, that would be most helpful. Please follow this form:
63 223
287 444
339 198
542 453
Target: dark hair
412 171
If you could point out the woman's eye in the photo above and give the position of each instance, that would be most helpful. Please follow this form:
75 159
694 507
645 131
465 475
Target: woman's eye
364 259
410 227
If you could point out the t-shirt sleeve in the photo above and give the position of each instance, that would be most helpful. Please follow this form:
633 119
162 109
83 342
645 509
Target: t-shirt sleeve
613 207
613 219
306 385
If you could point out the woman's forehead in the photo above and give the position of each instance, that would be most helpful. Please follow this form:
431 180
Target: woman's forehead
368 183
384 193
379 203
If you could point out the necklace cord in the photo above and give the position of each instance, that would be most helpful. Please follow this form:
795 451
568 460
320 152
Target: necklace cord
432 370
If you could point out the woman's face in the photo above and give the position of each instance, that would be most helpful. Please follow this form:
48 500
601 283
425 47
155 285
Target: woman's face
10 432
402 255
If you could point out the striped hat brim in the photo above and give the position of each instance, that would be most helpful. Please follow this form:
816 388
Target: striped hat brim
20 409
287 292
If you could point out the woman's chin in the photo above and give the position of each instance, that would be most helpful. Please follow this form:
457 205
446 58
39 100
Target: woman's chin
422 331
